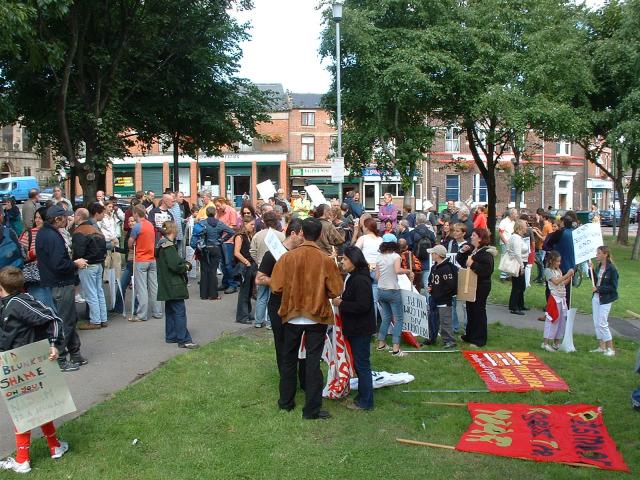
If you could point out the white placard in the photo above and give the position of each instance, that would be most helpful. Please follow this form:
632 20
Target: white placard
315 195
416 313
586 240
266 190
274 245
426 205
337 170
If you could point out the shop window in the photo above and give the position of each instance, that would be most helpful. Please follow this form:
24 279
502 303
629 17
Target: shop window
395 189
453 188
210 180
269 172
308 147
308 119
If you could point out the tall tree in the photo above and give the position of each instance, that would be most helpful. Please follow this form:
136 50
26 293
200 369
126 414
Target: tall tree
391 80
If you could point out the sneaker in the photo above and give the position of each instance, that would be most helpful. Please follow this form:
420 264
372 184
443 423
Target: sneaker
67 366
89 326
11 464
548 348
189 345
610 352
258 325
449 346
79 359
398 353
230 290
104 325
269 326
597 350
136 318
57 452
80 298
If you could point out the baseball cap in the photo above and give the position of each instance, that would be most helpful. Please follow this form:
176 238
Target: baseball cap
58 211
389 237
438 250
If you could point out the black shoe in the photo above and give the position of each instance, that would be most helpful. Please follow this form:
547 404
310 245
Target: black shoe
79 359
428 342
321 415
517 312
231 290
67 366
524 309
221 288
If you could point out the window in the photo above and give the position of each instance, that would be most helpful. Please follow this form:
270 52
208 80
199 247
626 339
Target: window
563 147
27 171
395 189
333 147
308 119
452 140
453 188
513 196
308 147
479 189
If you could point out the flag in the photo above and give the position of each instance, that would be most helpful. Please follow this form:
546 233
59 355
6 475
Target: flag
551 310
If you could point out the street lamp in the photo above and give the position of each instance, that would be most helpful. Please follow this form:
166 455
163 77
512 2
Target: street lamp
337 16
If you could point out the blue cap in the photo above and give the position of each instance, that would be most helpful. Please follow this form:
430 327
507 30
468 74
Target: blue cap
57 211
389 237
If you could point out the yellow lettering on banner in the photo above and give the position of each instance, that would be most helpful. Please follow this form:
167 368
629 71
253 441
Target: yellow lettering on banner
539 410
497 440
494 427
552 444
586 416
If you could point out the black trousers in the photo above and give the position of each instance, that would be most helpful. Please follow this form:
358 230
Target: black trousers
314 344
516 299
209 261
64 299
476 331
278 339
243 307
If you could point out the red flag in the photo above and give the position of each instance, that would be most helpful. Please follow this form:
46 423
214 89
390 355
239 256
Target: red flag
410 339
551 310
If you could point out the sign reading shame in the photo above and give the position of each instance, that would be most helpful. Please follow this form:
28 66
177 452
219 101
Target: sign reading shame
33 387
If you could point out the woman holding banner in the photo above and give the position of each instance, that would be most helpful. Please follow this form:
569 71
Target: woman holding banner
481 263
605 292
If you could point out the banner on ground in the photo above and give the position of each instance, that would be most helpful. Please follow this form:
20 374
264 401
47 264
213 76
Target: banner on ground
33 387
515 372
586 240
544 433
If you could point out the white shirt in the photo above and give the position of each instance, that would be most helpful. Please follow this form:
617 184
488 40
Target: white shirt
370 248
388 279
110 227
506 225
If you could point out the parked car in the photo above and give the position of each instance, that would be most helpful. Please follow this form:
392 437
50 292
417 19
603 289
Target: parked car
17 187
46 194
633 214
606 217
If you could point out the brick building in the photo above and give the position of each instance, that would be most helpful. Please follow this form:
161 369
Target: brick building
18 158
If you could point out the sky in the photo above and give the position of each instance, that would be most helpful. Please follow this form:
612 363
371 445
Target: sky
285 38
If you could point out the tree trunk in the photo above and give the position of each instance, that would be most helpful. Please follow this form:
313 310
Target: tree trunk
89 187
176 163
623 232
492 200
635 253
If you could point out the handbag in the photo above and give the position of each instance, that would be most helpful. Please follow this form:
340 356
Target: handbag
509 265
30 270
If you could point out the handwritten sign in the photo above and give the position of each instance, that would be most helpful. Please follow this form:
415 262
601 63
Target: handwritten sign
266 190
586 240
316 196
274 245
416 313
33 387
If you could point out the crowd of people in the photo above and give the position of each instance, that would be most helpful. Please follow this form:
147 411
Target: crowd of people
337 257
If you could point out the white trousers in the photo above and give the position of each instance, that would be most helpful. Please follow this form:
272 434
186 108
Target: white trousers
601 319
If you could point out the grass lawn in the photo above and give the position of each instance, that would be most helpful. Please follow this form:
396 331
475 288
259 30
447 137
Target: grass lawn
212 414
628 286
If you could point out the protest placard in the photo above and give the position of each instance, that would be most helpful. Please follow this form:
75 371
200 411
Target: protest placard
274 245
316 196
416 313
266 190
586 240
33 387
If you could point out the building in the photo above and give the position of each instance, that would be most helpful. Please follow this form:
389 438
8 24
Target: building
18 157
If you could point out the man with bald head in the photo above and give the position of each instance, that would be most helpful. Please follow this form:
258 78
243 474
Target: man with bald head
162 213
88 242
100 197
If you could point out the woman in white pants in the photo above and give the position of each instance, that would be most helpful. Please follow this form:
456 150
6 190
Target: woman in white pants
605 292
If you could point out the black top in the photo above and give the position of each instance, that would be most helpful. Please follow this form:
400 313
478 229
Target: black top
358 313
482 265
24 320
443 281
54 262
266 267
244 248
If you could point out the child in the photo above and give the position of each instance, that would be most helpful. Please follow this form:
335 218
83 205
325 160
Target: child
443 286
555 318
24 320
605 293
388 228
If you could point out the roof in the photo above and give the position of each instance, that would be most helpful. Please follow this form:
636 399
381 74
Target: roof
279 101
305 100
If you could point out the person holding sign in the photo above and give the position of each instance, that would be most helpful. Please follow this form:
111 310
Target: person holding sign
556 310
443 286
25 321
605 292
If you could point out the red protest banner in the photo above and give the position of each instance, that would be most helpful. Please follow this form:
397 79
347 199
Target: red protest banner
514 372
544 433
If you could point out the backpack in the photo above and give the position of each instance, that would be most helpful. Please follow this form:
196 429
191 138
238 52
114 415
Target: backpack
10 249
198 235
421 247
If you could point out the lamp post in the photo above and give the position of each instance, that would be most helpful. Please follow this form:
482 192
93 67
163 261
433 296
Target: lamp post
337 16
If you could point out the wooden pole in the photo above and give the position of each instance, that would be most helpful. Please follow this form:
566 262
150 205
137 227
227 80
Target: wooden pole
445 391
450 447
448 404
431 351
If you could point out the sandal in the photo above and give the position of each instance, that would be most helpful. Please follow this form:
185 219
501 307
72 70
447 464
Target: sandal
382 348
398 353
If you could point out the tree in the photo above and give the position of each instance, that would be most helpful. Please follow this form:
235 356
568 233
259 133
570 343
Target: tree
391 81
94 62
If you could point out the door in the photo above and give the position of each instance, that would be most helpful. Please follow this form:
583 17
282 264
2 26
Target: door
152 180
371 196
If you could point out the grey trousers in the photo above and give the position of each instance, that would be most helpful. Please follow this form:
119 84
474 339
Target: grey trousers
64 299
446 324
146 286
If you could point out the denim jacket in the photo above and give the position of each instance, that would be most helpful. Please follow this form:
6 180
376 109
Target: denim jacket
608 287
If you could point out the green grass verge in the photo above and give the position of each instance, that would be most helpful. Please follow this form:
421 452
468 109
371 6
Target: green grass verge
628 286
212 414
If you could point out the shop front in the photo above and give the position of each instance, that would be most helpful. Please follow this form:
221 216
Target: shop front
376 185
600 192
300 177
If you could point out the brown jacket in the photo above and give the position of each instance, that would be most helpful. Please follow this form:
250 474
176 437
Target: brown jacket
329 237
306 278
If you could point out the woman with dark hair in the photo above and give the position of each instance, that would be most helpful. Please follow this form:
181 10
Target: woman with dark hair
480 261
12 217
387 270
247 209
246 265
358 321
30 270
605 292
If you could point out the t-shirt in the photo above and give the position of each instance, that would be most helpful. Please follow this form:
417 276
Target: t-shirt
388 279
558 291
370 248
506 225
145 237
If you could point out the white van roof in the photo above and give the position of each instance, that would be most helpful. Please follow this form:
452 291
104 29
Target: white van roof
15 179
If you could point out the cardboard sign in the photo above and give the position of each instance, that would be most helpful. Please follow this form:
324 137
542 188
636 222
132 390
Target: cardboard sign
467 285
544 433
315 195
416 313
266 190
515 372
274 245
33 387
586 240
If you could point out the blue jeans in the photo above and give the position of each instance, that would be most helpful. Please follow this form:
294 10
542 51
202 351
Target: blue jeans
42 294
262 297
91 282
175 322
456 321
391 306
125 281
361 350
226 265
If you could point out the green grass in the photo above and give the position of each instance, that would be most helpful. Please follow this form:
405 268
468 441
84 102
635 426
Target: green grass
628 286
212 414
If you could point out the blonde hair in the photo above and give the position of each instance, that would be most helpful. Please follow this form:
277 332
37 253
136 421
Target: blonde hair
607 251
520 226
169 227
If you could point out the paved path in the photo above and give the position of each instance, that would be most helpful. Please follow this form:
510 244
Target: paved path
125 351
